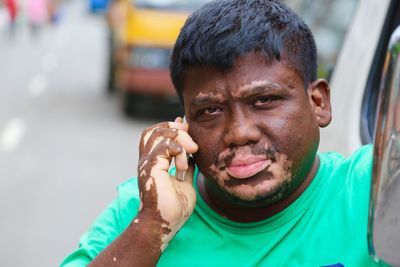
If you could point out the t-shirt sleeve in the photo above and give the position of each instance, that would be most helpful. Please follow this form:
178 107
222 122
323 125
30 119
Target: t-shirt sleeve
108 226
361 166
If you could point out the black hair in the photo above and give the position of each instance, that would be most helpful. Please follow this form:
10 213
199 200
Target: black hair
223 30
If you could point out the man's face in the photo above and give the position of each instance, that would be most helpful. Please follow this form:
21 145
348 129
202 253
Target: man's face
255 126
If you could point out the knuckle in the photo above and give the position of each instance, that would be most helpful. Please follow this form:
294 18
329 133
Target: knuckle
167 141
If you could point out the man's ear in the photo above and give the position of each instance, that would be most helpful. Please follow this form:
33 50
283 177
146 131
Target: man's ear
319 96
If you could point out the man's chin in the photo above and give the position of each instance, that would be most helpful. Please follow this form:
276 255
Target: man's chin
256 196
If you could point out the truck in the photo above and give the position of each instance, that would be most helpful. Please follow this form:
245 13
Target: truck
141 47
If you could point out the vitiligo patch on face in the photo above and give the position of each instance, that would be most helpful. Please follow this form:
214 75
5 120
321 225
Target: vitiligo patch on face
280 176
208 97
277 173
281 168
218 170
253 87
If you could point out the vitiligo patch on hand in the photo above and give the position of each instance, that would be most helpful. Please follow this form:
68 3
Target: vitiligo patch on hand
144 163
149 183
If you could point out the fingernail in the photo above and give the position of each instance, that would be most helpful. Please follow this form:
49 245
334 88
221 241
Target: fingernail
181 176
195 145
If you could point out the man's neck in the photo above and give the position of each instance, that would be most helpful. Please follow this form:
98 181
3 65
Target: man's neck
241 214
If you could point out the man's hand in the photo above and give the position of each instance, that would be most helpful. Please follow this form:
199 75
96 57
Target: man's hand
166 201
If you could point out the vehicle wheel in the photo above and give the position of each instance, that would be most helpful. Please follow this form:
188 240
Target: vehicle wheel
128 104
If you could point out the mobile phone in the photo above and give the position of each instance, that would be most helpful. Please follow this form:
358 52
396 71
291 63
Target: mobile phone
181 175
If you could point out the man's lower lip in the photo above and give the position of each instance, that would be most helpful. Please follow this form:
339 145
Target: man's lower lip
246 171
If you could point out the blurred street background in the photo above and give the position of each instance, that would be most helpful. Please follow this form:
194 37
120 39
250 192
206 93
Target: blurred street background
64 146
79 81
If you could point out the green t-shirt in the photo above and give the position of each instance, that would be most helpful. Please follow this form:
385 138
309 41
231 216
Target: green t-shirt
326 225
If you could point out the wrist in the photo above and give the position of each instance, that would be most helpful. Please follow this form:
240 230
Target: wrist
138 245
152 229
158 231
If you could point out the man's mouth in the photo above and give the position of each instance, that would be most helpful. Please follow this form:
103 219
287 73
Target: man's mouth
245 168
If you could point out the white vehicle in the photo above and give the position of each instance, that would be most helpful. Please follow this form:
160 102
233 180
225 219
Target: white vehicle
365 96
355 82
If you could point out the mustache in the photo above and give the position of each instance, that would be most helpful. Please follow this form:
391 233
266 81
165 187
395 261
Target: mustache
225 157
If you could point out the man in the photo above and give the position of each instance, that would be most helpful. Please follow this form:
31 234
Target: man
260 195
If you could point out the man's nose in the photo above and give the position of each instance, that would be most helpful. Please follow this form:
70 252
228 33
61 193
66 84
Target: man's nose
240 131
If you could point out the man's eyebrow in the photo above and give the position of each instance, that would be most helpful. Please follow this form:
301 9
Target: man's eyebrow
206 98
258 87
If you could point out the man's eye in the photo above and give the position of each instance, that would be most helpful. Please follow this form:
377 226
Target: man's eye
210 110
263 100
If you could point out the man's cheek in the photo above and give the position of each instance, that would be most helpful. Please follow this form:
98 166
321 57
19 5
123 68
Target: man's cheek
205 160
218 174
202 159
205 151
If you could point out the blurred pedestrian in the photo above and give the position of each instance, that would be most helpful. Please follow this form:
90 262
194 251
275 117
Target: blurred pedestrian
54 11
12 9
37 13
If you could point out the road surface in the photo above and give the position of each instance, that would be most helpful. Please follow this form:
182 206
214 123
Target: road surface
64 145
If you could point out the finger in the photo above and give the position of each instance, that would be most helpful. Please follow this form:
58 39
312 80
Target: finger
157 136
179 119
160 157
164 152
189 174
181 161
183 126
185 140
169 124
148 132
182 137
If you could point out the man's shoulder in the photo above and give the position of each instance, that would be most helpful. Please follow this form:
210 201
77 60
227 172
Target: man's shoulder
362 155
353 172
362 158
